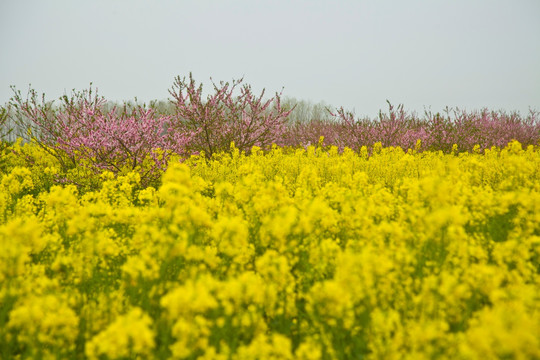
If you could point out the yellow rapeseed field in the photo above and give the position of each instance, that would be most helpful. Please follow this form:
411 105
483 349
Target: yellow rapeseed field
284 254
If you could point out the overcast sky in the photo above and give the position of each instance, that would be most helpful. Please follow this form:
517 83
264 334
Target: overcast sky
356 54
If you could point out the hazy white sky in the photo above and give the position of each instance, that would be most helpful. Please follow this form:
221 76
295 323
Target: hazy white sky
356 54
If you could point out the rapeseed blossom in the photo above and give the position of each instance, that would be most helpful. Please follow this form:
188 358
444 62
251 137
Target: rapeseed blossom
309 253
128 335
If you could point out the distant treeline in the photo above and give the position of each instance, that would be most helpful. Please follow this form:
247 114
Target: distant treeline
304 111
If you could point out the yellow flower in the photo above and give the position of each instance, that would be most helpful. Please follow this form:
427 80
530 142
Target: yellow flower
129 335
309 349
231 235
191 298
45 321
506 330
19 239
271 347
17 181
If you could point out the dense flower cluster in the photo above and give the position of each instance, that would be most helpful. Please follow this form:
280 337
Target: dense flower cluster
307 253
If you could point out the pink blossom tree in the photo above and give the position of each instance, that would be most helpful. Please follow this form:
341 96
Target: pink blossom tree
245 119
80 131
